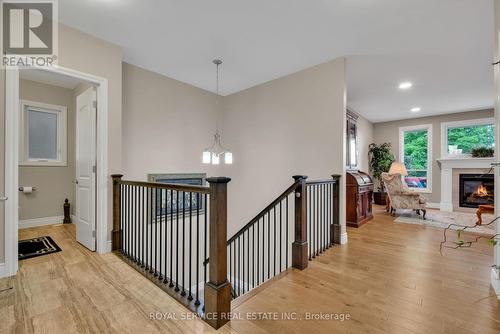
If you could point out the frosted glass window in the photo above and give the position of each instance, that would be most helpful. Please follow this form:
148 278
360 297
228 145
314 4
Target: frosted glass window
42 135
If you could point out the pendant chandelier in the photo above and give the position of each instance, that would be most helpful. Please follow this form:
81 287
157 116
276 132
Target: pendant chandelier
217 152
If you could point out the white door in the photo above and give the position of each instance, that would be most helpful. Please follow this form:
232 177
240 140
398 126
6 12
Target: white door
85 168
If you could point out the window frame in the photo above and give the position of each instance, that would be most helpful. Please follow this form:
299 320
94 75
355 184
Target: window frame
62 118
430 162
445 126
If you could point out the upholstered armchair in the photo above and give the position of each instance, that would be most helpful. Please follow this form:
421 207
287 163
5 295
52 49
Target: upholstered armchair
401 197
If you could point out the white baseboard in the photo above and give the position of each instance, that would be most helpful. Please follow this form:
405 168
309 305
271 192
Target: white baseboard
343 238
40 222
448 207
109 246
495 281
3 270
433 205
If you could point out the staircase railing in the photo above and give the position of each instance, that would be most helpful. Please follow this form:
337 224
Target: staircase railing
165 231
176 236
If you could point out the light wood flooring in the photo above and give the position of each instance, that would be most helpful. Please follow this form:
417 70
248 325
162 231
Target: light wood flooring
390 278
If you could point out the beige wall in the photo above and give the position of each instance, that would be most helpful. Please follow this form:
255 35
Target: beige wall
2 164
365 138
166 125
85 53
53 184
289 126
389 132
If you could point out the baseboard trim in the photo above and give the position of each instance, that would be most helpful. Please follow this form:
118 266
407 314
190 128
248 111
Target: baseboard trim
40 222
495 281
3 270
448 207
109 246
433 205
343 238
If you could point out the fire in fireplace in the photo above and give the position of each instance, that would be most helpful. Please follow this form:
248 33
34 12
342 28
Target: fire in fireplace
476 189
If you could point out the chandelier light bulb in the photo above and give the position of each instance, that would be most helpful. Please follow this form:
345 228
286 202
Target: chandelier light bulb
228 158
215 159
206 156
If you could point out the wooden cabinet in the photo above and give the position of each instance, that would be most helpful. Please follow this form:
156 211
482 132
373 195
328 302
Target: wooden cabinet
359 196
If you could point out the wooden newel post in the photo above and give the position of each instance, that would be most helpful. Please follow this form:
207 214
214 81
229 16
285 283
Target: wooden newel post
335 230
218 288
299 246
116 234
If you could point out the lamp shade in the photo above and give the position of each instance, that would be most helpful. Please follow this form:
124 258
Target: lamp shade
398 168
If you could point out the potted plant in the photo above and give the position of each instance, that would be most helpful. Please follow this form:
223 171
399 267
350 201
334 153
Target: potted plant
381 159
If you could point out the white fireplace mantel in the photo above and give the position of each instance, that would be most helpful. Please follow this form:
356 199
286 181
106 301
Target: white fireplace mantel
447 166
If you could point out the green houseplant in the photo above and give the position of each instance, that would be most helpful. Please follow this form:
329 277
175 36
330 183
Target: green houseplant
381 159
482 152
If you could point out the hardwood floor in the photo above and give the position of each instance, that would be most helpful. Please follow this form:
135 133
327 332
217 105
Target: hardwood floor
390 278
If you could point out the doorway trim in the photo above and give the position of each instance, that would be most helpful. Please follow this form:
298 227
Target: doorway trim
12 161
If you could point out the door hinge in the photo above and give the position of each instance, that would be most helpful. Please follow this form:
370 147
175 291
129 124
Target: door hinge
93 234
94 104
94 169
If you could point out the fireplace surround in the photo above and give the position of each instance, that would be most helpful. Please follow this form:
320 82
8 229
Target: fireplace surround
476 189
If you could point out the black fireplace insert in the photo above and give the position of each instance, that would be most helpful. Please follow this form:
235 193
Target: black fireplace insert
476 189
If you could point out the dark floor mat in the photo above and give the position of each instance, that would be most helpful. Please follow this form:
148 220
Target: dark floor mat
37 247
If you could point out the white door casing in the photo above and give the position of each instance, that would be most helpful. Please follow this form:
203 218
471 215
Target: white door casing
85 219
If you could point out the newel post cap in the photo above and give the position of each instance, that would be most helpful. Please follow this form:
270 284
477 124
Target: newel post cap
219 179
116 176
336 176
299 177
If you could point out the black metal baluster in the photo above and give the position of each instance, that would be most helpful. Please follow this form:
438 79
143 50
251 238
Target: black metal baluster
275 240
127 208
309 223
313 221
231 278
160 276
268 244
197 301
281 238
177 242
243 261
146 227
317 220
325 219
122 216
286 228
239 267
248 259
153 206
155 251
234 268
263 248
172 239
143 244
136 216
320 212
253 256
258 257
206 243
183 292
190 296
165 238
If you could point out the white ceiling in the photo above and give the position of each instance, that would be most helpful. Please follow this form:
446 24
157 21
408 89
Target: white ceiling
444 47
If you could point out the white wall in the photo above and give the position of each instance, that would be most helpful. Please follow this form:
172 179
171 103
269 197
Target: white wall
289 126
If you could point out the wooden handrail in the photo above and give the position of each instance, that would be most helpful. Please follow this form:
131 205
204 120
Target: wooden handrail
170 186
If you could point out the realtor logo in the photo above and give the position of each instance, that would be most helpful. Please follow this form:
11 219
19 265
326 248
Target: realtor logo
29 33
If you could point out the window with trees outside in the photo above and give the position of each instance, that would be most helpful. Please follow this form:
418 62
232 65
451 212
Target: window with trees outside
460 138
416 154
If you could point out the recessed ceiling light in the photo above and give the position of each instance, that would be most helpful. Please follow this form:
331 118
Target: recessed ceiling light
405 85
416 109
